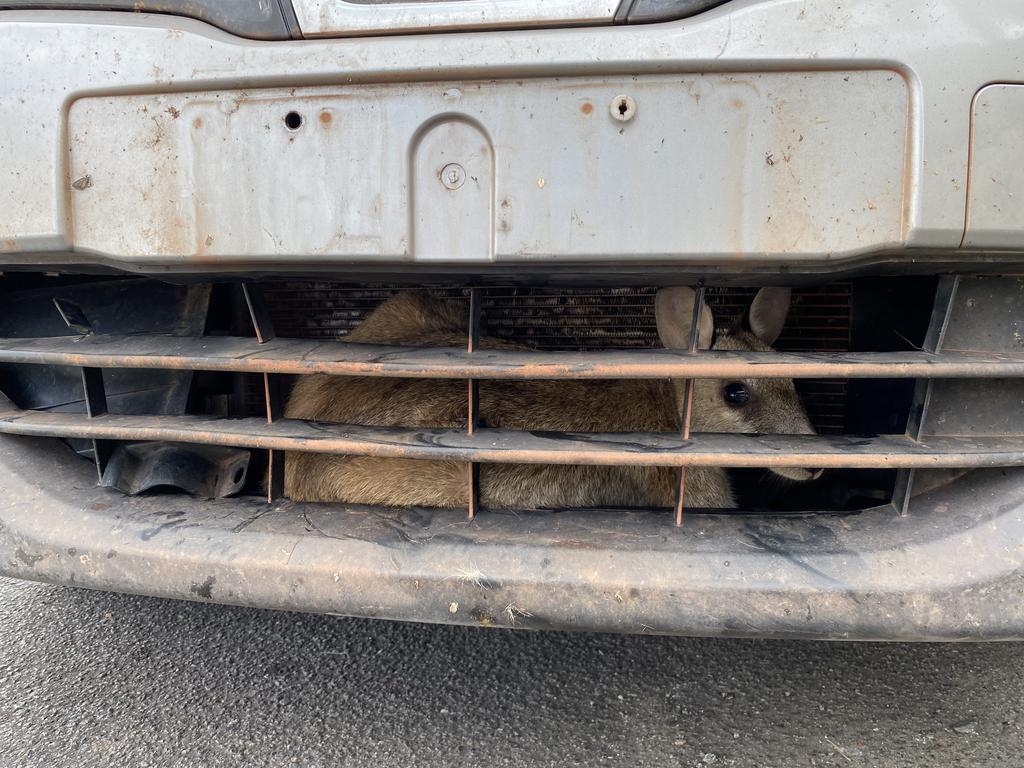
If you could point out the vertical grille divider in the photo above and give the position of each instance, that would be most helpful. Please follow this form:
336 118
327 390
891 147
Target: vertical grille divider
93 391
96 405
263 326
687 404
945 295
473 404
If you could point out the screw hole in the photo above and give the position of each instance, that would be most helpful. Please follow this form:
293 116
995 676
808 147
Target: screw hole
239 474
622 108
293 121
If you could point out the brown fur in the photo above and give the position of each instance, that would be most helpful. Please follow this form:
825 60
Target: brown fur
414 318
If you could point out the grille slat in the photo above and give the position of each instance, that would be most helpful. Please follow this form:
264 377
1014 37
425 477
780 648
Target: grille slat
302 356
505 446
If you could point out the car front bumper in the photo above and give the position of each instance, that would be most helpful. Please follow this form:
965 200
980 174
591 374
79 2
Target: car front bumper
768 137
954 570
776 134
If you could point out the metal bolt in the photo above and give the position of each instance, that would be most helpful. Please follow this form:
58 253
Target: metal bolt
622 107
453 176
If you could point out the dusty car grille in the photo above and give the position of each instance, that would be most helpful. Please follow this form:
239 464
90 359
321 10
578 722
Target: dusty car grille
576 334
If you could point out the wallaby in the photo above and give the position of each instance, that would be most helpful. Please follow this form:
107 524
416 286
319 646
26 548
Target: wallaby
415 318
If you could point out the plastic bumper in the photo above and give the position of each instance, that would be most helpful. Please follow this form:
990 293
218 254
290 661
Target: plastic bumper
783 134
953 570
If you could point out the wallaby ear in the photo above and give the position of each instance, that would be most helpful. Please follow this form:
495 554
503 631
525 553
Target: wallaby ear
768 313
673 312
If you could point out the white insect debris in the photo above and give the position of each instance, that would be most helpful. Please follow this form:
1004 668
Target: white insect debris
472 576
512 610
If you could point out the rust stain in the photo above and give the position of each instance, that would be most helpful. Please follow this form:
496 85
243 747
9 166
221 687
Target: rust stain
158 132
586 108
237 102
197 123
326 118
10 245
504 222
172 236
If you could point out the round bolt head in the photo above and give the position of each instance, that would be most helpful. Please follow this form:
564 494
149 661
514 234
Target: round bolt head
622 108
453 176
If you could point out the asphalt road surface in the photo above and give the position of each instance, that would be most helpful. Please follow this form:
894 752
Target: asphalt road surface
98 679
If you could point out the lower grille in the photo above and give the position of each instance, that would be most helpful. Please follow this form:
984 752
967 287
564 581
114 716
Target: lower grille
573 335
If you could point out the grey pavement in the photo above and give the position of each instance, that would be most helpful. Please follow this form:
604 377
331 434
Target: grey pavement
89 678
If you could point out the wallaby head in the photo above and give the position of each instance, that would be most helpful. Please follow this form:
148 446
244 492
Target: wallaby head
769 406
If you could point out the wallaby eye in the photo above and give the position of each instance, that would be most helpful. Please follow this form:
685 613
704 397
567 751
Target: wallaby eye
736 394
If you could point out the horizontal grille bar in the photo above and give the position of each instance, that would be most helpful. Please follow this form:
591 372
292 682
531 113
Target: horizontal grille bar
502 446
302 356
